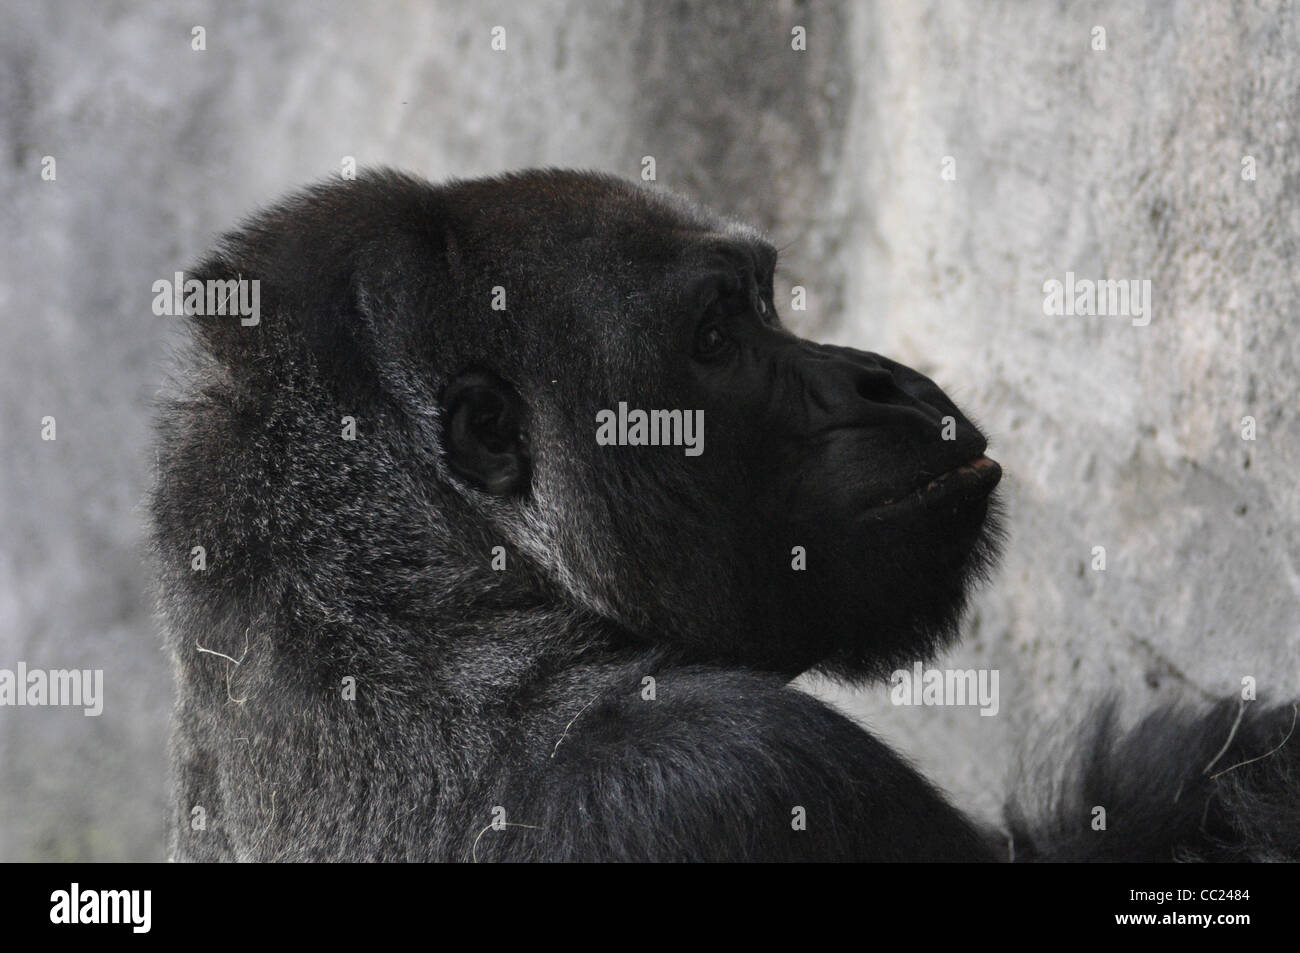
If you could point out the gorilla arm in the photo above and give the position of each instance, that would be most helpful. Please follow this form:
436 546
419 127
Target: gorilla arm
720 766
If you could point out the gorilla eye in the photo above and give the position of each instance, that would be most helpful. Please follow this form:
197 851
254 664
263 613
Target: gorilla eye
710 341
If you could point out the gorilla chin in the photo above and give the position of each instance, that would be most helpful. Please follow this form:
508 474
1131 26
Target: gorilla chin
945 542
898 579
901 520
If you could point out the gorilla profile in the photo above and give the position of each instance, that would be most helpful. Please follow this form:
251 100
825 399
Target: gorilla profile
436 618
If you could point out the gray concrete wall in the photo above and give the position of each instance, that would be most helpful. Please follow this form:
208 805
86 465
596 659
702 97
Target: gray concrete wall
1117 163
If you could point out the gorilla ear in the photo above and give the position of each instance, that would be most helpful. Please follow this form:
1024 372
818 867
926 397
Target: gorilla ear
483 428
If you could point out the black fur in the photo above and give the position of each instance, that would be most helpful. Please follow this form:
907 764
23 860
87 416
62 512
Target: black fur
1220 786
526 691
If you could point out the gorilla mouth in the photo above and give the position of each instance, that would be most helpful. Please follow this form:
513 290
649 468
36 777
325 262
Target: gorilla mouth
968 483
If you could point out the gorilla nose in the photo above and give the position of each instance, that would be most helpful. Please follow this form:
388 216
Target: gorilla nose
862 389
879 384
884 381
872 382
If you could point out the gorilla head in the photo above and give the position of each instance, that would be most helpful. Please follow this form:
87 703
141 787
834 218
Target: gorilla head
835 517
862 463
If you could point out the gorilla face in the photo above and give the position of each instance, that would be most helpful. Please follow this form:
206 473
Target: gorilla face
840 508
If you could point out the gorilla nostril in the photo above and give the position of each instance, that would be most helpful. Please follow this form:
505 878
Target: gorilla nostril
876 385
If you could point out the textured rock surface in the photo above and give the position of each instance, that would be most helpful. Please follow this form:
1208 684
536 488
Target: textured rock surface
1122 163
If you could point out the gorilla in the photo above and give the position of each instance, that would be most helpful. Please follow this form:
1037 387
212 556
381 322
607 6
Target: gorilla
418 611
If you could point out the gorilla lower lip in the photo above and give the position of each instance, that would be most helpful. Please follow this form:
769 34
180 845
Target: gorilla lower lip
980 466
966 483
970 481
